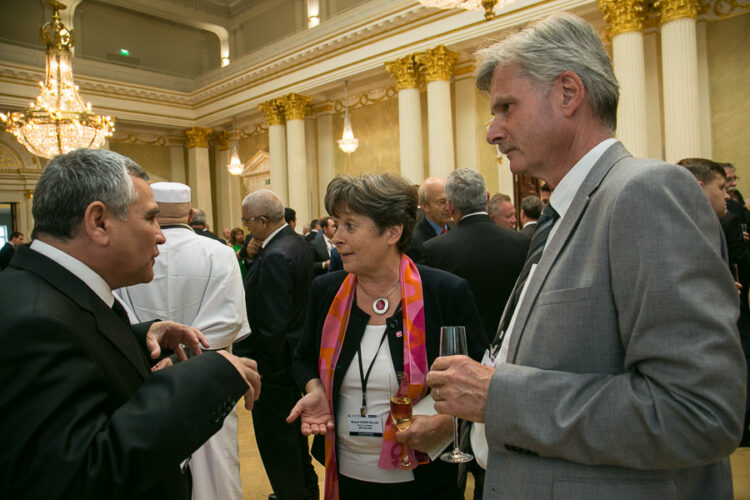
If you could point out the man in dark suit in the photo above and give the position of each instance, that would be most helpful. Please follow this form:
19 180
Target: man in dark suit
531 210
436 218
276 290
314 230
6 253
81 413
321 247
199 225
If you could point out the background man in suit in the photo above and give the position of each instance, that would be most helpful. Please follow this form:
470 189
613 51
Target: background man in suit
200 225
321 247
501 211
620 373
197 283
276 289
290 217
544 193
82 415
531 210
9 249
314 230
436 218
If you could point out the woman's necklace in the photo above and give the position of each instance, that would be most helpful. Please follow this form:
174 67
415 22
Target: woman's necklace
381 304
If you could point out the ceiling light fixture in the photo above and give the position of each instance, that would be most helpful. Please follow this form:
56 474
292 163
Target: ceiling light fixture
235 166
348 143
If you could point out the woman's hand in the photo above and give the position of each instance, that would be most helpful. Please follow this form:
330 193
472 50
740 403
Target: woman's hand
426 432
314 410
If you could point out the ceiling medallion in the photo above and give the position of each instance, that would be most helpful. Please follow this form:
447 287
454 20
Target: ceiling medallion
58 121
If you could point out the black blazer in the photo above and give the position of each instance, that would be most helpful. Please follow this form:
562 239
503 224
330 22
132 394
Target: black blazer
82 416
6 253
423 232
486 255
319 252
276 290
447 301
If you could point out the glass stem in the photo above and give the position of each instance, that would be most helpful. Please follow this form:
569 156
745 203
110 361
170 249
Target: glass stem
455 434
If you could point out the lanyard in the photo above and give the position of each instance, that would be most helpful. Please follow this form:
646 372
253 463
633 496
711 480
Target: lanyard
364 378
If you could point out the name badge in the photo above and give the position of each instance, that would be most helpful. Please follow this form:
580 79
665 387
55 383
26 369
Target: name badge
369 425
488 359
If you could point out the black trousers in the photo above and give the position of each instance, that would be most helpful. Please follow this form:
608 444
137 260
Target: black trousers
283 448
354 489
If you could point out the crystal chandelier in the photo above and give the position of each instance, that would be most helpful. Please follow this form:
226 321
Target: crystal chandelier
234 166
487 5
348 143
59 121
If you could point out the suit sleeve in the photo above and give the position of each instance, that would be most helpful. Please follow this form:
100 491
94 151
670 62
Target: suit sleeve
60 410
679 399
305 360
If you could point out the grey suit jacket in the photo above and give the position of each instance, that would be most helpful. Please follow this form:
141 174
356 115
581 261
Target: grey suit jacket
625 376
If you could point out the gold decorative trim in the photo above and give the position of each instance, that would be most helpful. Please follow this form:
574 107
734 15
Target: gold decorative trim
437 63
259 129
725 8
273 111
142 139
296 106
623 16
671 10
222 138
367 99
197 137
406 71
29 194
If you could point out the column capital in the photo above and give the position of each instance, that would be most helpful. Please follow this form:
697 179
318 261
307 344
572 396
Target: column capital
197 137
672 10
296 106
273 111
406 72
437 63
28 194
222 139
623 16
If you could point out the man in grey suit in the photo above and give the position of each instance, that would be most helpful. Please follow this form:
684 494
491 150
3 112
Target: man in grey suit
617 369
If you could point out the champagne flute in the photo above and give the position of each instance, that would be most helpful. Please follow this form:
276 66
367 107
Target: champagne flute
398 383
453 341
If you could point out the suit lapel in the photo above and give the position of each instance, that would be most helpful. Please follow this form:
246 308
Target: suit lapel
108 323
564 233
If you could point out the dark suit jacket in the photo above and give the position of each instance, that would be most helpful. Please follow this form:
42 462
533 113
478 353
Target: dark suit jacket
529 230
319 252
447 301
82 416
311 235
276 290
486 255
6 253
423 232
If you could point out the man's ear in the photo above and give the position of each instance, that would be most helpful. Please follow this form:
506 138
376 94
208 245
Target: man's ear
97 220
572 92
190 216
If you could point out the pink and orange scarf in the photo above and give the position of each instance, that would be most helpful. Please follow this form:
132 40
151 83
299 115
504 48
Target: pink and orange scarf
415 364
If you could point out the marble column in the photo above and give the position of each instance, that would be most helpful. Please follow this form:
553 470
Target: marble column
438 65
326 157
407 75
626 19
199 172
228 194
176 159
679 55
273 111
296 107
467 123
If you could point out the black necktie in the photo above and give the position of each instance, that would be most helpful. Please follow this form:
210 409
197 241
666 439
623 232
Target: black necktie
120 311
538 241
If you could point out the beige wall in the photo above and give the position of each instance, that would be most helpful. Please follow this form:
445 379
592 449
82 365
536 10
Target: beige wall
154 159
729 80
247 148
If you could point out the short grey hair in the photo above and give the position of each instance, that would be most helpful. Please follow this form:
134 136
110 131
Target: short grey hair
266 203
388 199
532 207
199 218
465 188
72 181
545 49
493 207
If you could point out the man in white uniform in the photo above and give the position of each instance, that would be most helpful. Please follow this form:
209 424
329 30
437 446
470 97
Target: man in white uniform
197 283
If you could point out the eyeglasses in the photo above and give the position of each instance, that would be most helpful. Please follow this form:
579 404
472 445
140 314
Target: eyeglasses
732 178
246 220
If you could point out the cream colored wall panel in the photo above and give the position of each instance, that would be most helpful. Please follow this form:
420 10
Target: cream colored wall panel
652 59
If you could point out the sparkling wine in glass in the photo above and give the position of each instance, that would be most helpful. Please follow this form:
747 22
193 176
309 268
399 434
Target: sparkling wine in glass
452 342
398 383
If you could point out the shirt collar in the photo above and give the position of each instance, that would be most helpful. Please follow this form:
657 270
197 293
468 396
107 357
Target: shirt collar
81 271
565 191
471 214
436 227
270 236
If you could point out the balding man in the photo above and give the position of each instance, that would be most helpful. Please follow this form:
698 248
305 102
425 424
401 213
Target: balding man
82 414
197 283
276 289
617 370
437 216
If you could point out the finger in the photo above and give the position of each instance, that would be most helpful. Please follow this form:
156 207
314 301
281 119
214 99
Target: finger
162 364
305 428
294 414
248 402
180 353
153 346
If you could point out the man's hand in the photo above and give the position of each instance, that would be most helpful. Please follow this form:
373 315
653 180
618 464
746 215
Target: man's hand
459 386
253 247
171 335
248 368
314 410
426 432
